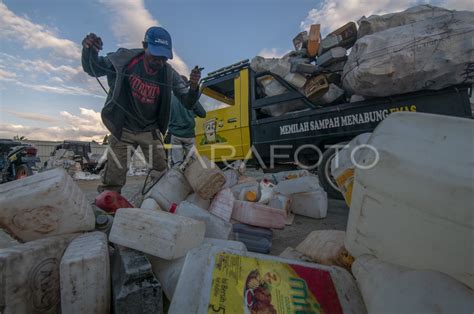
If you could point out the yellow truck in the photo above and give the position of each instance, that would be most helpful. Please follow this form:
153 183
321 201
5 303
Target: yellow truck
238 129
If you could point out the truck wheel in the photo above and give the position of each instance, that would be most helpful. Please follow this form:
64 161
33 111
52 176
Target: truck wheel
325 176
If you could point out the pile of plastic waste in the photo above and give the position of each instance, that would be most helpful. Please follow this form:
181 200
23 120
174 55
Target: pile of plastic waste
423 47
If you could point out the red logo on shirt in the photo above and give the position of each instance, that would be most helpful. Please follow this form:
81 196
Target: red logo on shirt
142 91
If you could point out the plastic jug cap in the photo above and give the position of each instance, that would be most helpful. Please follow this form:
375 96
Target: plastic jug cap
101 220
251 196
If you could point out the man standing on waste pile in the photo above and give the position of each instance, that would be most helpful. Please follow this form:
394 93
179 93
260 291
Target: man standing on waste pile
138 105
182 129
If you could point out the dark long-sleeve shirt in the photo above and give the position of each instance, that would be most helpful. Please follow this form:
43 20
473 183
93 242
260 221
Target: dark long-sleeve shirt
116 109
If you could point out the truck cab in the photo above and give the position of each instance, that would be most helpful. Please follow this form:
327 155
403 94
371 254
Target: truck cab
225 132
244 123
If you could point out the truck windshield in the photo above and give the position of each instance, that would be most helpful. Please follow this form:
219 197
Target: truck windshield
218 95
211 104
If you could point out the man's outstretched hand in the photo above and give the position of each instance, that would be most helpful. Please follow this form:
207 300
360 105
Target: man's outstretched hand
194 78
92 41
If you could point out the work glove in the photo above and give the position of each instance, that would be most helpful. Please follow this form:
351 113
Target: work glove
194 78
92 41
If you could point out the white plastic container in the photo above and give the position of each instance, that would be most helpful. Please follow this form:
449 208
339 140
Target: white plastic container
168 272
272 87
198 201
259 215
281 202
291 253
171 188
414 207
237 282
231 178
285 175
296 79
85 275
310 204
150 204
204 176
46 204
266 191
326 247
157 233
342 167
387 287
281 67
29 275
215 227
237 189
223 204
298 185
6 240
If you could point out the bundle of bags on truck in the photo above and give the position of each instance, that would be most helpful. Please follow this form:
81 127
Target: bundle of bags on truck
423 47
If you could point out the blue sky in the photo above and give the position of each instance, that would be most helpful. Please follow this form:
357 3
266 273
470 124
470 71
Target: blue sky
45 95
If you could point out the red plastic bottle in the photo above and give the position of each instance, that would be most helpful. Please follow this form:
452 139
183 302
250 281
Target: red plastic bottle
173 208
110 201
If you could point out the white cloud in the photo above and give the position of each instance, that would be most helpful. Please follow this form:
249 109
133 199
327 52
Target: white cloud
56 89
56 79
86 126
33 35
272 53
130 20
32 116
38 66
332 14
64 79
5 75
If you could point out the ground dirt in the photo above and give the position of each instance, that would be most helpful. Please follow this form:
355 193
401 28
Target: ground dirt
290 236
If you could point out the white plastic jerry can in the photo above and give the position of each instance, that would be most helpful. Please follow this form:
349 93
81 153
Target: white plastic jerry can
168 271
45 204
413 204
157 233
171 188
85 275
233 281
215 227
204 176
29 272
387 287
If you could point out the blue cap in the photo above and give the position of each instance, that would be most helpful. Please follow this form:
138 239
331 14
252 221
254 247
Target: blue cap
159 42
